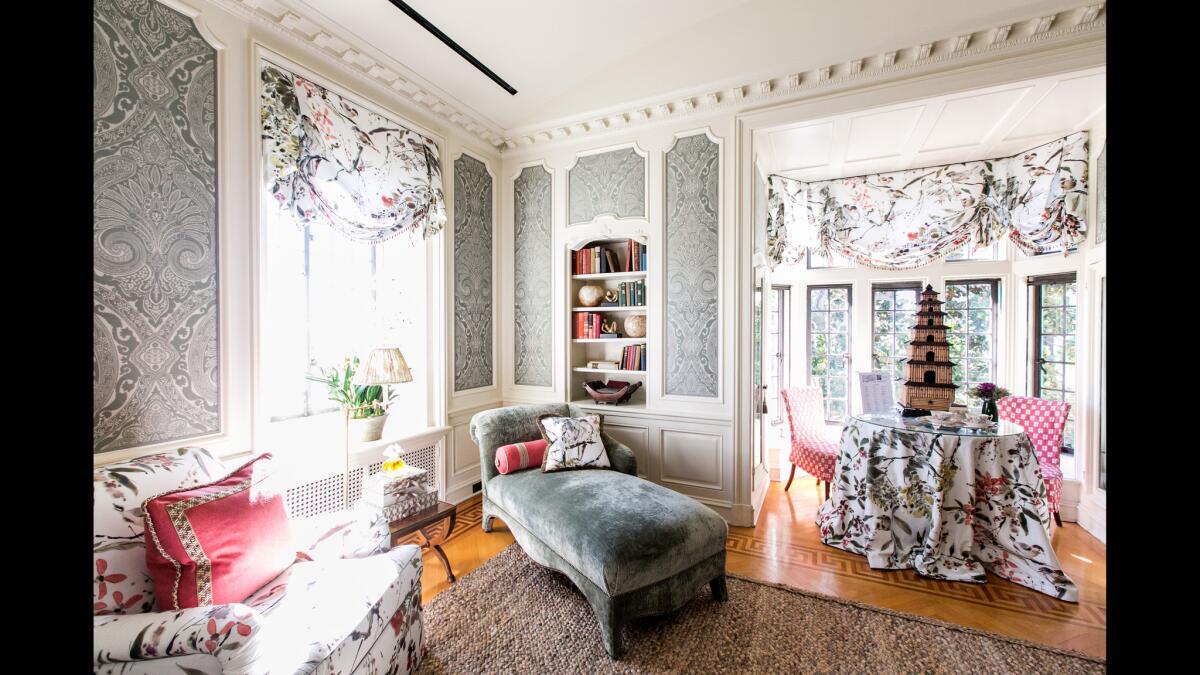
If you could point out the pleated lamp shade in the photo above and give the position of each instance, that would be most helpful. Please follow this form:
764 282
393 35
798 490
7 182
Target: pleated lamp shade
384 366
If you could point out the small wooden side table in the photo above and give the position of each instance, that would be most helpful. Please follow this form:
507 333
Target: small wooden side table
420 522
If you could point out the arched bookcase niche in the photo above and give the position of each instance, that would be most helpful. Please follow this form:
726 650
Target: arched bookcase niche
615 260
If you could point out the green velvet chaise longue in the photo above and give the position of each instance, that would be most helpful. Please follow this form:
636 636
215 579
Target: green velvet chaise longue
633 547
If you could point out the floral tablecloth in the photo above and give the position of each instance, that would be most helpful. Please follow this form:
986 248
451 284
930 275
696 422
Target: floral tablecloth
947 505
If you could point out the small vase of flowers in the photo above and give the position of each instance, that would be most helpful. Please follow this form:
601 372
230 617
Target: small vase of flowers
989 393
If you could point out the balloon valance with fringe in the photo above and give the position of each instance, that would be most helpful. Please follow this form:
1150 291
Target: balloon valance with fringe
331 160
905 219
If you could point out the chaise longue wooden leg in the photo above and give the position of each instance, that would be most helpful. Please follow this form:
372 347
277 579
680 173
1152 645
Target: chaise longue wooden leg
719 591
790 477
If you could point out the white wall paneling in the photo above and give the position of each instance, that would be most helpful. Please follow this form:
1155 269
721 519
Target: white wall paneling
636 436
318 445
690 459
639 427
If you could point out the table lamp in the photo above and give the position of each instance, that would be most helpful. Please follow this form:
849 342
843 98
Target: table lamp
384 366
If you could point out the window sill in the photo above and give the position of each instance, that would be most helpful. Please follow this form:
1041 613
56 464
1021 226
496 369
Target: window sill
364 451
319 442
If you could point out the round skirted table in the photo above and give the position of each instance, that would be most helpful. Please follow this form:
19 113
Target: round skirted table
948 503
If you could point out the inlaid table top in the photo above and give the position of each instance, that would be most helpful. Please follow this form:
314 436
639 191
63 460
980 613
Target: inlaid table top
420 522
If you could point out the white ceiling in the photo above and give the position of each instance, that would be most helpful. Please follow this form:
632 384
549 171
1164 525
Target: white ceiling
978 124
568 59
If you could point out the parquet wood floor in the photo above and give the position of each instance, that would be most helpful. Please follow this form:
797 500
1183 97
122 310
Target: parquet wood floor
786 548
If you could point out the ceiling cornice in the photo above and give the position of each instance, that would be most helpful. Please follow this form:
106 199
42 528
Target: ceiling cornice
320 38
1050 30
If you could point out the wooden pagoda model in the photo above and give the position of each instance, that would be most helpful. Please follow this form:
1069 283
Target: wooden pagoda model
929 373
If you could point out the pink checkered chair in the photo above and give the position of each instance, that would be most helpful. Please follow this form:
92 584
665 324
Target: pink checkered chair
1043 421
811 450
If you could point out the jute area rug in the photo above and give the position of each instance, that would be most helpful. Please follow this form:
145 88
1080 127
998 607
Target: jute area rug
513 616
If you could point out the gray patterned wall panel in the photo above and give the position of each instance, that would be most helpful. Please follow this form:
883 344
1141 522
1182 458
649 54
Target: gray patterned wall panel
610 182
154 372
533 263
692 224
472 274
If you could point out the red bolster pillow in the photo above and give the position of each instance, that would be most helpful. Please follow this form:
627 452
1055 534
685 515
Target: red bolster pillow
217 543
510 458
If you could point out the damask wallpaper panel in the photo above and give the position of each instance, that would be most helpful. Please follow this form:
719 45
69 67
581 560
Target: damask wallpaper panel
532 235
472 274
692 272
609 182
154 371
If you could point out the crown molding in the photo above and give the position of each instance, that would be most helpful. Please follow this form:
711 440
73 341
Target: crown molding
323 41
1040 32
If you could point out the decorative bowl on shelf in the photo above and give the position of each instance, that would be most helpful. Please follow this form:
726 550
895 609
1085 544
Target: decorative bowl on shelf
590 296
613 392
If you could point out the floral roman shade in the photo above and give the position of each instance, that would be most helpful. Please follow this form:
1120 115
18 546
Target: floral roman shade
332 160
906 219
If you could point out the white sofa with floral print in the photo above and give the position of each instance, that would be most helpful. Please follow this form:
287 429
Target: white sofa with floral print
330 612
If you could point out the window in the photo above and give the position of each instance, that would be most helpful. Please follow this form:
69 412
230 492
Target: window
829 347
893 313
778 334
1053 350
964 252
816 261
326 298
971 316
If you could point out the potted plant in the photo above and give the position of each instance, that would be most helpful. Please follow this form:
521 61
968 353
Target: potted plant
989 393
365 403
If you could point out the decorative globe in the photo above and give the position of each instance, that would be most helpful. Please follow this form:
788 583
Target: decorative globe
590 296
635 326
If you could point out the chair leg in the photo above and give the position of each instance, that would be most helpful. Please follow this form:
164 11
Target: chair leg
827 490
790 477
1057 519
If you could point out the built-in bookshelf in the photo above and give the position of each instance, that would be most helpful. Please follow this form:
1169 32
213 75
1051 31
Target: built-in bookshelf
600 348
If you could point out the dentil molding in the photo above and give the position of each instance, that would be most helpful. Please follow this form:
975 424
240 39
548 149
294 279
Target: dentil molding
325 42
1065 26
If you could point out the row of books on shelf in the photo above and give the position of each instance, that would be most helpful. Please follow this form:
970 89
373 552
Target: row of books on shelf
633 357
603 260
590 325
629 294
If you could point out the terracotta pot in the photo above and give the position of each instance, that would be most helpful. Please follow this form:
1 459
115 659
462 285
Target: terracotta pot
368 429
590 296
635 326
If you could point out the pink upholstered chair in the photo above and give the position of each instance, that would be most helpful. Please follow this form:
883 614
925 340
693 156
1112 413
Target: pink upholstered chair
1043 421
811 450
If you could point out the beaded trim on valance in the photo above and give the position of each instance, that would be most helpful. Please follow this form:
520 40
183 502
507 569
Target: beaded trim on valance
905 219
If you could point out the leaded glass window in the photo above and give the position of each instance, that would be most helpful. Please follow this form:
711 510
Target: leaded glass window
829 347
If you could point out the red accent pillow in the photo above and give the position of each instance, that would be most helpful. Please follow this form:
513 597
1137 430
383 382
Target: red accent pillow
510 458
217 543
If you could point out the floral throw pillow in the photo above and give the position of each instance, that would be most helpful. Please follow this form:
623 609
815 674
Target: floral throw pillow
574 443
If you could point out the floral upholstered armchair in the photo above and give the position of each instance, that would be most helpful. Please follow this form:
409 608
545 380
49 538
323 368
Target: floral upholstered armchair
347 605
